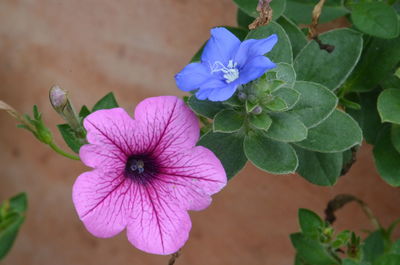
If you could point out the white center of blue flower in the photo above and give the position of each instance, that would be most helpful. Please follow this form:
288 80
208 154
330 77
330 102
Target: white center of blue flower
230 72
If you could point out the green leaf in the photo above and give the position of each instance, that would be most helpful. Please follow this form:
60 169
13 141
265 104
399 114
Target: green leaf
262 121
282 51
301 10
289 95
70 137
228 121
107 102
243 20
395 249
250 7
277 104
315 105
330 69
368 117
389 105
376 64
250 106
341 239
376 18
373 247
224 145
337 133
296 36
269 155
311 251
205 108
286 128
319 168
310 223
84 112
395 136
389 259
387 158
285 72
13 211
240 33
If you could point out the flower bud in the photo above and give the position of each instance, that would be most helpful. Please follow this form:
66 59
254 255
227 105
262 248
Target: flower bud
58 98
257 110
242 96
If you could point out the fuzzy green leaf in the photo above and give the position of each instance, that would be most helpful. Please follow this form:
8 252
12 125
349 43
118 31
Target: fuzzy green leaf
315 105
269 155
205 108
389 105
337 133
310 223
224 145
262 121
330 69
375 18
228 121
286 128
296 36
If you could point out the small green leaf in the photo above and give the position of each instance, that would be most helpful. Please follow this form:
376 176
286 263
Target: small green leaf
286 128
387 158
84 112
319 168
300 10
282 51
70 137
376 19
269 155
368 117
330 69
388 259
315 105
224 145
379 58
243 20
389 105
228 121
296 36
289 95
395 136
262 121
374 246
395 249
341 239
205 108
250 106
277 104
107 102
329 137
11 222
311 251
310 223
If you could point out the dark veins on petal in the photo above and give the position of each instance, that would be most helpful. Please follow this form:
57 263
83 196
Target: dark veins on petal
142 168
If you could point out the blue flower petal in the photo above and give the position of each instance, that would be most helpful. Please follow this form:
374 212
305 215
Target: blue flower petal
251 48
203 94
192 76
222 46
254 68
224 93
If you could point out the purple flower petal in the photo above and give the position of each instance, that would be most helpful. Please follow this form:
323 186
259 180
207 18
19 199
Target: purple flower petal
147 174
255 68
192 76
252 47
220 47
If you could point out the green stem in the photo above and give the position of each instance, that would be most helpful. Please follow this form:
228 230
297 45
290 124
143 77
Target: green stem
62 152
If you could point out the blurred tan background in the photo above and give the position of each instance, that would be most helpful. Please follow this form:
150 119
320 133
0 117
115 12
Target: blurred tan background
134 48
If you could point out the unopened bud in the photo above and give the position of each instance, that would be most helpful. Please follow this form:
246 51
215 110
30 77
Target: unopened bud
58 98
257 110
242 96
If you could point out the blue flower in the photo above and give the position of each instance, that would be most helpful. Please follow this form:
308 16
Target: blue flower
225 64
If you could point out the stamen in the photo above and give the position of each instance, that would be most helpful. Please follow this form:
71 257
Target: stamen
230 72
141 168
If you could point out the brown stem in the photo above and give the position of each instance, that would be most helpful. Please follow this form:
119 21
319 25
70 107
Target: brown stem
312 33
350 163
341 200
265 14
174 257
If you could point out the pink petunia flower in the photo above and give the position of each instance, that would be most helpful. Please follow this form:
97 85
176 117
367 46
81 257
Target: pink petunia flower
147 174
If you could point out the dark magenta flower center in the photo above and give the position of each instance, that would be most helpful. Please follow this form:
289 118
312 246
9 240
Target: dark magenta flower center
141 168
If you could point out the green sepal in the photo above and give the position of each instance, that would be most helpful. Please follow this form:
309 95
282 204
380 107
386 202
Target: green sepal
106 102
